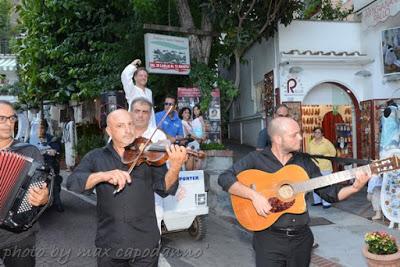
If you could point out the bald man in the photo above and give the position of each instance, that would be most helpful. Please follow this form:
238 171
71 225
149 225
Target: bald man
288 241
126 222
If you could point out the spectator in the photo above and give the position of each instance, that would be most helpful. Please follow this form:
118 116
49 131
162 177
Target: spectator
172 125
263 139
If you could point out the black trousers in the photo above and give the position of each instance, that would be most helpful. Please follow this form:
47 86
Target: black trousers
57 189
145 260
21 254
280 250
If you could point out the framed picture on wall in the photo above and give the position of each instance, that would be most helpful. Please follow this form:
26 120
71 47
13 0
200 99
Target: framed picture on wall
391 51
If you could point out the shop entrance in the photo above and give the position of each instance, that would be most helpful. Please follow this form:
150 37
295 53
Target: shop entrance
333 107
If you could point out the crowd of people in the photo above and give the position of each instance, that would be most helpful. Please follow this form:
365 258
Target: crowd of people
181 126
129 206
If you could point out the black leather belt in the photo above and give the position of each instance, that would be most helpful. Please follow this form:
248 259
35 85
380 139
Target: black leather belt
288 231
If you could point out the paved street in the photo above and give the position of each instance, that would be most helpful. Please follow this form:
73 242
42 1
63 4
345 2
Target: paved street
67 239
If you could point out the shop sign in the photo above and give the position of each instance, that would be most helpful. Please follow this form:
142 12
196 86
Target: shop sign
167 54
379 12
292 89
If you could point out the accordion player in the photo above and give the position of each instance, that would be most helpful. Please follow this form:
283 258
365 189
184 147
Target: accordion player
24 238
18 174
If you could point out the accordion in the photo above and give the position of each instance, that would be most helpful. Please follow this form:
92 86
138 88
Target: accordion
17 175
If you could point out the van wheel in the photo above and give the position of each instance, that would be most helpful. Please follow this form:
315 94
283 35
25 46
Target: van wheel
198 229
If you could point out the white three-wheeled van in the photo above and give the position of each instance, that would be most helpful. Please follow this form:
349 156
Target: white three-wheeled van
188 209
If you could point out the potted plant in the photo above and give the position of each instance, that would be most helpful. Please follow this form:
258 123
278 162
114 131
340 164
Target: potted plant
381 250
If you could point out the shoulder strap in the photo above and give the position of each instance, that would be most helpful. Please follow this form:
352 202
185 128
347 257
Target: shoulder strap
18 146
337 159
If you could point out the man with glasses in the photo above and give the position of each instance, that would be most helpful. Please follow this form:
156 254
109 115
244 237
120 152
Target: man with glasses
11 242
263 139
172 125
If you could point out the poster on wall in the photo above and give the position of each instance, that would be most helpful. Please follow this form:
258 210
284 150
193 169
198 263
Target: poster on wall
391 51
167 54
189 97
214 118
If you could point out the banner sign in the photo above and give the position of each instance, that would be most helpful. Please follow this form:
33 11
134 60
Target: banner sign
167 54
379 12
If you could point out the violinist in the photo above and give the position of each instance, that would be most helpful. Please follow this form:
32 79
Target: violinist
126 221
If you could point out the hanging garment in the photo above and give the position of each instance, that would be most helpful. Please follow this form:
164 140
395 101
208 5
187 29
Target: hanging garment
70 141
23 127
389 146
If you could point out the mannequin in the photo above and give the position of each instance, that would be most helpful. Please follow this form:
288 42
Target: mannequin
389 146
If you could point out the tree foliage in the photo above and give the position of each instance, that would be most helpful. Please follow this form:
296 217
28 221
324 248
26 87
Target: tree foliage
244 22
73 49
163 13
5 13
324 10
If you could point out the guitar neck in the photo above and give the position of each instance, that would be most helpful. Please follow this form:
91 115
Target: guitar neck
329 179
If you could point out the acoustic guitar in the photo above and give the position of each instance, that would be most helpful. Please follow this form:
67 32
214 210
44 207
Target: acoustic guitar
286 189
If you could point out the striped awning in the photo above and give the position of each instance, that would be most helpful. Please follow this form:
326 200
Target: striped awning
8 64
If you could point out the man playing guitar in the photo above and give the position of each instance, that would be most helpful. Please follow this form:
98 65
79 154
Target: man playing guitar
288 241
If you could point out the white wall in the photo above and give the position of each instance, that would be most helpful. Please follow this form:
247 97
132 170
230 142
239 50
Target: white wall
245 120
327 94
11 76
358 4
260 60
313 75
320 36
371 43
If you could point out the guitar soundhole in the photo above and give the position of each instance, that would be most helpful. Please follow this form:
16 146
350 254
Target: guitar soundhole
278 205
286 191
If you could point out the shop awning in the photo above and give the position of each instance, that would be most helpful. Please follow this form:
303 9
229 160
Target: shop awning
8 64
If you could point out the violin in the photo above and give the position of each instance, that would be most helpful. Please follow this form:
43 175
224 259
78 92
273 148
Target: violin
143 150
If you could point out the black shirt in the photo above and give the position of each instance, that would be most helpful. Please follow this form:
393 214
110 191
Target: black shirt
266 161
127 220
8 238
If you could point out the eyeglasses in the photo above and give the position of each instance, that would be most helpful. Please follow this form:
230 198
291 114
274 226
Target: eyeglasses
282 115
168 104
12 118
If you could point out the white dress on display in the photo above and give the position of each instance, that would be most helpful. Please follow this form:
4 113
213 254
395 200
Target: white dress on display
23 127
390 146
70 141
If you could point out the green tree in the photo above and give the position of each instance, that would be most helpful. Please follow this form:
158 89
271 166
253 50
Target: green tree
245 22
324 10
73 49
164 13
5 13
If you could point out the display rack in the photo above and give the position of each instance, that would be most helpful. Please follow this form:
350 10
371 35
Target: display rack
344 140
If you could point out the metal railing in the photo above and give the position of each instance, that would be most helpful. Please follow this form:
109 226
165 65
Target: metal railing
5 47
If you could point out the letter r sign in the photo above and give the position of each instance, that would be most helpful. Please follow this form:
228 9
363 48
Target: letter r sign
291 85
